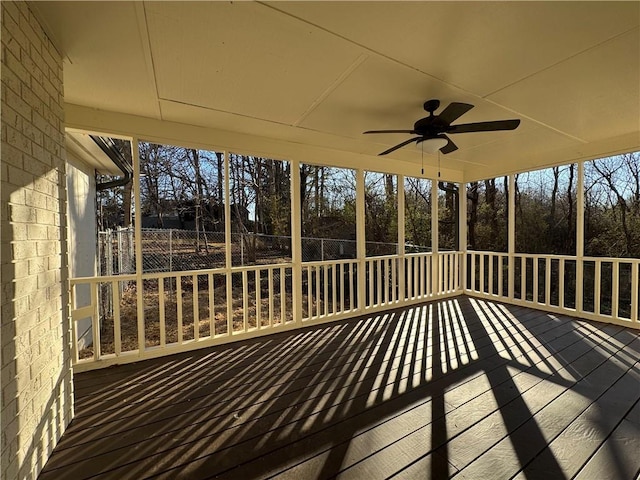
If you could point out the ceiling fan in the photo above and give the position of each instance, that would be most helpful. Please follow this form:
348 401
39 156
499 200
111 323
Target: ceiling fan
433 129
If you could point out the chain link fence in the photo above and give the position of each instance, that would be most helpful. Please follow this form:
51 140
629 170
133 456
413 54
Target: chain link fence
173 250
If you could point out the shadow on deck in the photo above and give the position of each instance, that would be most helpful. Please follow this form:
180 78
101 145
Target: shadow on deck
460 388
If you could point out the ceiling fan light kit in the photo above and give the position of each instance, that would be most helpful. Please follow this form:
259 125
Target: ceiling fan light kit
431 145
432 130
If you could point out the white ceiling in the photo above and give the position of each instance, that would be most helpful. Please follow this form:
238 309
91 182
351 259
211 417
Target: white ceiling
320 73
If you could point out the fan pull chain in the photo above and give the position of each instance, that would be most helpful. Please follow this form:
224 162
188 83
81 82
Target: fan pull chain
422 150
438 163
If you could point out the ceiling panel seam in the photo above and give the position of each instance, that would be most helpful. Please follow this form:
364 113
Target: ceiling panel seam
371 50
145 40
577 54
335 84
179 102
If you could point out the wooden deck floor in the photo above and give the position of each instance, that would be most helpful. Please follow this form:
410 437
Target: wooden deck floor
459 388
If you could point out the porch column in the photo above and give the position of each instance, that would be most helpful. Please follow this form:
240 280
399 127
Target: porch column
580 239
228 241
360 238
462 234
296 243
511 228
435 270
137 225
401 239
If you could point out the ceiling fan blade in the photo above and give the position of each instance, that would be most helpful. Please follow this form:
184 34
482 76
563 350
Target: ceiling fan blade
449 147
484 126
388 131
400 145
454 111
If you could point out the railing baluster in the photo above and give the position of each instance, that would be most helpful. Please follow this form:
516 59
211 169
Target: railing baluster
634 291
473 272
161 320
212 306
482 274
333 289
352 305
440 273
309 297
394 280
561 267
536 272
422 262
95 324
615 289
456 271
179 307
258 299
283 295
490 286
370 269
245 300
270 271
547 281
523 278
500 275
342 265
379 298
117 321
325 302
318 299
596 287
196 308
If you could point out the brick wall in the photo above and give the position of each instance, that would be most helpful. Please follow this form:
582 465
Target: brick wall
36 403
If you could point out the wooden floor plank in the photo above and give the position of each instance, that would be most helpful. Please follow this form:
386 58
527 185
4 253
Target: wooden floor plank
573 447
431 391
617 457
133 438
549 411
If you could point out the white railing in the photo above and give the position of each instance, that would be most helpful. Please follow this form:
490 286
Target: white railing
137 317
597 288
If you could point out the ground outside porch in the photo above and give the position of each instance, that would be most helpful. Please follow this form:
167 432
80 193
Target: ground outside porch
460 388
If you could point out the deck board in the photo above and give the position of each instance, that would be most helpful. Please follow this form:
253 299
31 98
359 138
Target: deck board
448 388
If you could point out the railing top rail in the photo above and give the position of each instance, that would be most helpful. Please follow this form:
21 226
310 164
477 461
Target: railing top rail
612 259
181 273
557 256
330 262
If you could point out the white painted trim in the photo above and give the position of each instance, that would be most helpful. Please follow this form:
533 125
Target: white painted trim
79 118
296 243
580 237
137 225
511 237
361 245
435 222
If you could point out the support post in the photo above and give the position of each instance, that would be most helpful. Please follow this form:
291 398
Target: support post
135 156
462 234
296 243
511 228
401 239
435 222
227 242
360 238
580 239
